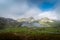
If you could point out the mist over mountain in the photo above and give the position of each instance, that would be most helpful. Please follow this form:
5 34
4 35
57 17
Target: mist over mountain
28 22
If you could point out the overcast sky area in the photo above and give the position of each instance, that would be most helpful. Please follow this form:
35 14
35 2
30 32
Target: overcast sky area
26 8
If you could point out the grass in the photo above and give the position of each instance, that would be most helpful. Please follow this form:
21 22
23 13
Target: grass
25 33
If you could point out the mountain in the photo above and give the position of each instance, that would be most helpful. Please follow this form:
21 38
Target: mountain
30 19
43 22
8 22
31 22
46 21
49 22
28 22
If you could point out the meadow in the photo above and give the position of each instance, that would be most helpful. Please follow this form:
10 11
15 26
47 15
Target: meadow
26 33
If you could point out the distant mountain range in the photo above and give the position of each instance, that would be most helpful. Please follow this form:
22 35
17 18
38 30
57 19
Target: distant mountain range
28 22
44 22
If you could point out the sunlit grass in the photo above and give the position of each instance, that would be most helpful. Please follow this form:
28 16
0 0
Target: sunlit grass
26 30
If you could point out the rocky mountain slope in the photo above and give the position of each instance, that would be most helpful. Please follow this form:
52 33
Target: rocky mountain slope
44 22
28 22
8 22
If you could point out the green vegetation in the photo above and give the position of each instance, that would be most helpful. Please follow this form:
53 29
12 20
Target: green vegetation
25 33
11 29
31 30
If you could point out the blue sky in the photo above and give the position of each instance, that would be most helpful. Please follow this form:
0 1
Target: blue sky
26 8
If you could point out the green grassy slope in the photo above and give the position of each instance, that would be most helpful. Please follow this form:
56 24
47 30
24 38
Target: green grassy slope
25 33
31 30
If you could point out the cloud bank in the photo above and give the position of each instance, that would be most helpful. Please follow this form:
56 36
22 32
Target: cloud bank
26 8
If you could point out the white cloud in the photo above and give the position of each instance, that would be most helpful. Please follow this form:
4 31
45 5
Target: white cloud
15 11
22 9
48 14
34 11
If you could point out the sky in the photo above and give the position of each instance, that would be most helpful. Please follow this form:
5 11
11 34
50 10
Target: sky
30 8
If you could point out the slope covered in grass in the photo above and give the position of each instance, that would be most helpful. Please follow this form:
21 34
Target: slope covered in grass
25 33
32 30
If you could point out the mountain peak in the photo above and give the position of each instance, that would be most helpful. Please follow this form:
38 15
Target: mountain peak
29 19
45 19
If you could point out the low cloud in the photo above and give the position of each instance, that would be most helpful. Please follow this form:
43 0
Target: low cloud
48 14
18 9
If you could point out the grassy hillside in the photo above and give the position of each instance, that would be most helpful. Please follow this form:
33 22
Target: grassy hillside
32 30
25 33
